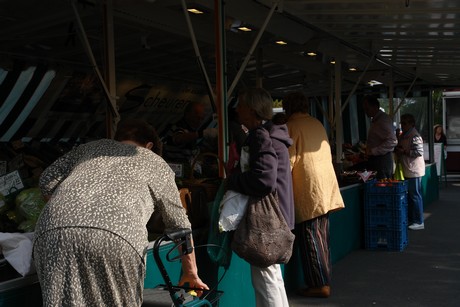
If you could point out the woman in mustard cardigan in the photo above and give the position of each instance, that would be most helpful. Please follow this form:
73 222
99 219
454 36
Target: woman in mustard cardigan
316 193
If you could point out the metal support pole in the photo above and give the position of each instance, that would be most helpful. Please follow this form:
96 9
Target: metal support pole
430 111
259 69
221 83
89 52
198 55
405 95
338 108
357 84
109 41
251 50
391 93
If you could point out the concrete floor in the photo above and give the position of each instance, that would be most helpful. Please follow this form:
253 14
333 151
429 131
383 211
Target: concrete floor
426 273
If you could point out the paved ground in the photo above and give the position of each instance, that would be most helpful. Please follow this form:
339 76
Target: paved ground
426 273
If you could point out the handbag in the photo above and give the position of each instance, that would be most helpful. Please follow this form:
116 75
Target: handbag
263 237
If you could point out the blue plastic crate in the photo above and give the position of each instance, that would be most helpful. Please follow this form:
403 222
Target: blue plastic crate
384 239
383 218
388 201
376 187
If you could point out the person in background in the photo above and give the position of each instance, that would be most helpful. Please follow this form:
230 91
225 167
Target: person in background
268 171
185 139
439 136
91 239
381 139
316 193
410 154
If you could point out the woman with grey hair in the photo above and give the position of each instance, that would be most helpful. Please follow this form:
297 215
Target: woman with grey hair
268 170
410 153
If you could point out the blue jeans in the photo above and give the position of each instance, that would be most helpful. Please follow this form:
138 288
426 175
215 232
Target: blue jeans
415 200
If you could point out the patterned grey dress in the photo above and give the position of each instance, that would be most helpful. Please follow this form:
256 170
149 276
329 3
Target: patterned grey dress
91 238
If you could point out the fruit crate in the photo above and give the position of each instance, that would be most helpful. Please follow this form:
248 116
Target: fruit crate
384 216
388 201
386 240
391 187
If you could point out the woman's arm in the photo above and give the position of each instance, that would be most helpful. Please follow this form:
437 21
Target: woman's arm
260 179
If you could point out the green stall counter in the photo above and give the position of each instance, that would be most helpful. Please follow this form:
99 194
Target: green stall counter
430 184
235 283
346 234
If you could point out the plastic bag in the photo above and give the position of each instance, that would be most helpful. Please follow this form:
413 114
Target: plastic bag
232 209
17 250
219 249
399 174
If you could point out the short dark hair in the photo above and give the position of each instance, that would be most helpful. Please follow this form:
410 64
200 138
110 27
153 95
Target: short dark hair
296 102
372 101
139 131
409 118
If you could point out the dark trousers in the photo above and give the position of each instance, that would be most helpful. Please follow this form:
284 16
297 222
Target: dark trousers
382 164
312 238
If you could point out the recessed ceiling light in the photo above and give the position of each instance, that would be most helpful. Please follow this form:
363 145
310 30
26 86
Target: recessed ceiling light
245 29
352 69
311 53
281 42
374 82
332 62
195 11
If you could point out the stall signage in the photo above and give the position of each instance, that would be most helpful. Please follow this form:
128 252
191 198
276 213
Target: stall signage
10 182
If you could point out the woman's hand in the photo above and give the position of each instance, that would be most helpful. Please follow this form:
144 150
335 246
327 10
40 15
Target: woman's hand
193 281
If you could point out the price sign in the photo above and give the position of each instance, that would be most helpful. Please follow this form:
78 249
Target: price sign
10 182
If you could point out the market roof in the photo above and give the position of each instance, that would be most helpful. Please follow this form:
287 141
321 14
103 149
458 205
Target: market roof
405 42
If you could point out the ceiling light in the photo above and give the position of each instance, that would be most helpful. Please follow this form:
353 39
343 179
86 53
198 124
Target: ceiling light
352 69
281 42
332 62
311 53
374 82
195 11
245 29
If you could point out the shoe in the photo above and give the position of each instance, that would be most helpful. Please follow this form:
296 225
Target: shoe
416 226
323 291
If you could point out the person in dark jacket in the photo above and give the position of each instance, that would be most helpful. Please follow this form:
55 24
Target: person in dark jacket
266 168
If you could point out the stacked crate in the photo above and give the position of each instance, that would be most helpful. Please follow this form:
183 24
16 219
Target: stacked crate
385 215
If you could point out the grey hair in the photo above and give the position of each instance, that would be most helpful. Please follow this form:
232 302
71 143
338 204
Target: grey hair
259 100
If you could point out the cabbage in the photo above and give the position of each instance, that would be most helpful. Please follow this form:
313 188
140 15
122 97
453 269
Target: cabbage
30 203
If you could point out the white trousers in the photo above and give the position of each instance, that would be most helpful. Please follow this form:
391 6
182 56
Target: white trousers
269 286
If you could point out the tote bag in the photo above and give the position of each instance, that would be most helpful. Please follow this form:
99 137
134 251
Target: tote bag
263 237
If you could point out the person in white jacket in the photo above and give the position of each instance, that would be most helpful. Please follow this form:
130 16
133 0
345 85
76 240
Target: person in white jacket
410 153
